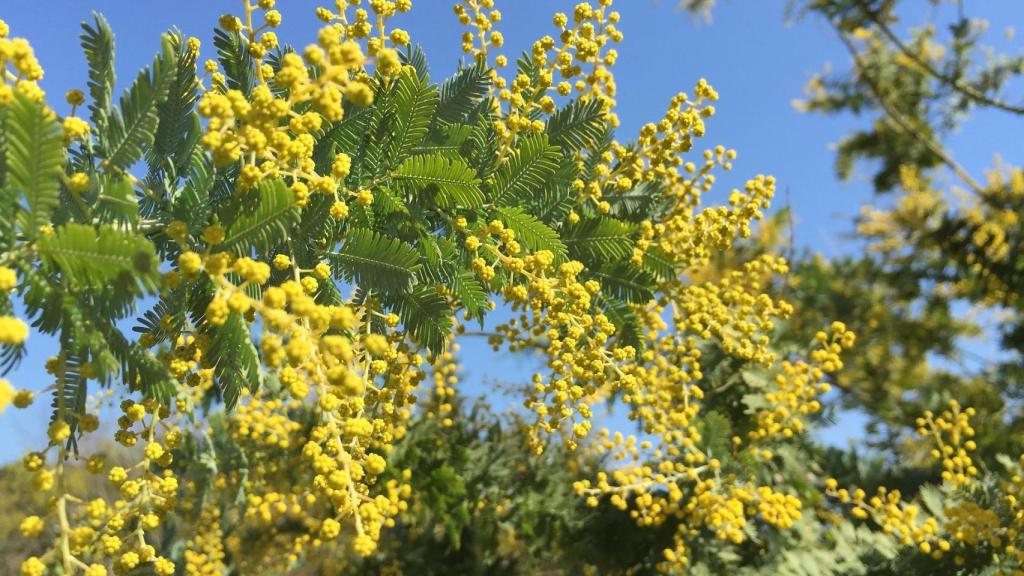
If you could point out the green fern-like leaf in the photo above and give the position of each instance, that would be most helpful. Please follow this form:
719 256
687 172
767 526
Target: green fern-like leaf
346 136
192 203
315 225
8 195
99 258
415 103
426 316
442 266
372 157
578 126
374 261
140 369
600 239
35 157
646 200
116 201
625 281
69 394
175 112
557 198
531 232
461 93
234 359
387 202
525 170
415 56
238 64
267 225
132 129
628 329
453 182
527 67
484 142
658 264
98 45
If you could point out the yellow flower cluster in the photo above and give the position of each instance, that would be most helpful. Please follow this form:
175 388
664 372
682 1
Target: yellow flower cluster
985 223
557 307
444 370
800 384
657 159
362 387
673 475
13 331
272 129
905 521
734 310
98 533
951 433
204 551
964 524
580 56
692 489
19 67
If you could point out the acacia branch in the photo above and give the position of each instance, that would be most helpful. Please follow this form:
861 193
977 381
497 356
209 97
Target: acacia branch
903 122
956 83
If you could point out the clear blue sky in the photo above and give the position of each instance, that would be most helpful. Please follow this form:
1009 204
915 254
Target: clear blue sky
757 63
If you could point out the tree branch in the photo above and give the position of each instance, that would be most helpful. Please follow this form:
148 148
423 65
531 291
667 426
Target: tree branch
902 121
955 83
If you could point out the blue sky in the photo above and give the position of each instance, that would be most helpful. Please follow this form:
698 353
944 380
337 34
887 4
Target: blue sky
756 61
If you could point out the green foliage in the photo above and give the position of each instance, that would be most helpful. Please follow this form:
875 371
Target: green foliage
132 127
442 266
450 183
486 505
234 360
599 239
525 171
427 317
531 232
578 126
116 201
34 158
98 46
625 282
375 261
460 93
235 59
177 122
91 257
415 104
266 225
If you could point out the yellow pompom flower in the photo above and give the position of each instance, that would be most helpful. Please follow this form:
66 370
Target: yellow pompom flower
59 431
8 279
388 63
74 97
330 529
31 526
12 331
74 128
7 394
339 210
364 197
23 398
33 567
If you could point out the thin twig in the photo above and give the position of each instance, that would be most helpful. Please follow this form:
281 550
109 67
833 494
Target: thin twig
956 83
904 123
